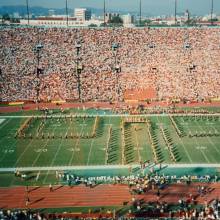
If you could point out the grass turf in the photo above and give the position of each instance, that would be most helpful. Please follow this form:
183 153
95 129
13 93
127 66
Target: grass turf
107 147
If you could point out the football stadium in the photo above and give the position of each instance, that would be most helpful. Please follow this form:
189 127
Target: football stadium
109 122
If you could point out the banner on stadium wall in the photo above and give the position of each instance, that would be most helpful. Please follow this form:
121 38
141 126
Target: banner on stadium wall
58 102
131 101
215 99
15 103
175 100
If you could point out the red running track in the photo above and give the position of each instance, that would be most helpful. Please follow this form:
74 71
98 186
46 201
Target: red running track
101 195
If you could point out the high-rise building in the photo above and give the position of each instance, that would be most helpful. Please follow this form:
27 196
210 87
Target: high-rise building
109 16
187 15
128 19
82 14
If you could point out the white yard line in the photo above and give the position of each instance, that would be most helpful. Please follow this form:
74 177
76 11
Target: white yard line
19 158
184 147
107 144
210 141
147 144
90 151
2 120
200 149
55 156
4 123
75 146
38 156
137 145
43 148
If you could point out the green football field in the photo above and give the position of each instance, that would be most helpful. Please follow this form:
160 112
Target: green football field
65 140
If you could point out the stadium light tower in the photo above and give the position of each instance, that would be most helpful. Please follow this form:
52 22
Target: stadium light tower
37 49
175 11
140 12
79 68
104 12
117 68
212 7
27 6
67 19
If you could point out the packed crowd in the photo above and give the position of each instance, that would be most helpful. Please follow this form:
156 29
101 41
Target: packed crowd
138 182
21 215
178 63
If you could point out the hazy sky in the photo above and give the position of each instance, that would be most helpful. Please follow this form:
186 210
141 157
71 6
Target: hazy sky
149 6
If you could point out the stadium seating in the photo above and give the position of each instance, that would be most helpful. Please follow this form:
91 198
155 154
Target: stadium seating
174 71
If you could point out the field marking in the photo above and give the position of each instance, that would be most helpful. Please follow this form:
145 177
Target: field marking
107 144
90 151
104 167
106 153
137 143
109 119
58 149
38 156
75 146
2 120
41 151
197 144
159 123
2 139
210 141
4 154
183 145
147 145
4 123
19 158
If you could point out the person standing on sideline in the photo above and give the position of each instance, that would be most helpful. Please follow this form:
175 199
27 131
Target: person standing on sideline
50 187
158 194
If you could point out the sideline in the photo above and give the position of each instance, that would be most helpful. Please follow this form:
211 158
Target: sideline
109 115
103 167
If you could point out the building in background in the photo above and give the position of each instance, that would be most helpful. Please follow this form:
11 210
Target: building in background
187 15
60 21
82 14
128 20
109 16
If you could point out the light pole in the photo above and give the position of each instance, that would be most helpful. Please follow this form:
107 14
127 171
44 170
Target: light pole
27 4
175 11
37 50
67 19
212 6
79 68
104 12
140 12
117 67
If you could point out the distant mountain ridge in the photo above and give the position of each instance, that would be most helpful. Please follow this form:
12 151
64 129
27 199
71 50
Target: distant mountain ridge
41 11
